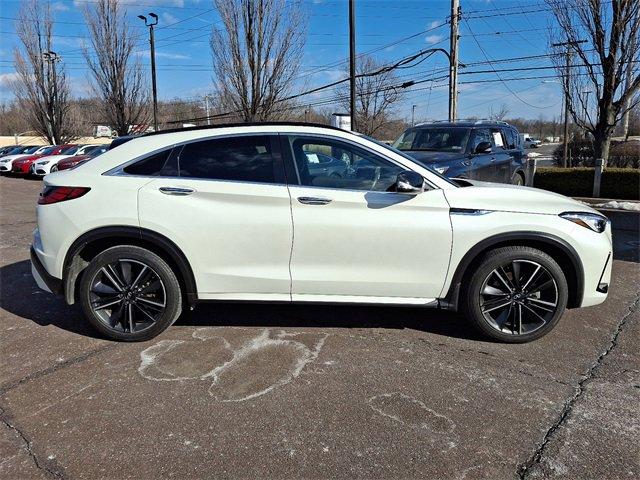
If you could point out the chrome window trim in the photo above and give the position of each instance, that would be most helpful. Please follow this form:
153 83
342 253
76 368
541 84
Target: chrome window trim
357 145
119 170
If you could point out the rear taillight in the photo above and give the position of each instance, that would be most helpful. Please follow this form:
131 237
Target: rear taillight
60 194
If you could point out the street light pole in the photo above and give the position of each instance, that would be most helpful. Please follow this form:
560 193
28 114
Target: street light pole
413 115
151 24
352 64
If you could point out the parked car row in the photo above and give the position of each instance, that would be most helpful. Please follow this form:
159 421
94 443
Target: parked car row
41 160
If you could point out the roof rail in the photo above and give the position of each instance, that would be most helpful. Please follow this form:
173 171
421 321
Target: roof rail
252 124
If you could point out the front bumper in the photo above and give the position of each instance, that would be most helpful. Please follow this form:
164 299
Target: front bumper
44 280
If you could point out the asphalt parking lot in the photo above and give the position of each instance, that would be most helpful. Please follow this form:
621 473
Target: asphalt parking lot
256 391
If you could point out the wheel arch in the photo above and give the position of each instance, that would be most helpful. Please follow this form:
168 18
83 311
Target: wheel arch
91 243
560 250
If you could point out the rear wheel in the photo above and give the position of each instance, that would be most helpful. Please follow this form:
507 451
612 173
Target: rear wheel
516 294
129 293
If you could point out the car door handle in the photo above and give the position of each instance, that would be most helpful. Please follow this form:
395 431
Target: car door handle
314 200
176 190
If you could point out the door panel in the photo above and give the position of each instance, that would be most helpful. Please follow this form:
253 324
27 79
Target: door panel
226 204
369 244
237 236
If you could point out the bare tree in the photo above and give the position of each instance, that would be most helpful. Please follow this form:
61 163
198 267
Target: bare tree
608 26
499 114
376 95
256 54
118 77
41 86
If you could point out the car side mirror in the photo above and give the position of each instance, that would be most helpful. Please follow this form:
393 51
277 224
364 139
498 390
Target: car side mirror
483 147
409 182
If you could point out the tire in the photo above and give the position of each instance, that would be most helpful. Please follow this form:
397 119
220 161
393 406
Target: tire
130 294
512 309
517 179
54 168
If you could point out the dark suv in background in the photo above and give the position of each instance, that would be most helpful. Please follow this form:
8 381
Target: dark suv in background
488 151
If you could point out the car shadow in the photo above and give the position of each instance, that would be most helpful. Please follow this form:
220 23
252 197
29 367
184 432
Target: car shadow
20 296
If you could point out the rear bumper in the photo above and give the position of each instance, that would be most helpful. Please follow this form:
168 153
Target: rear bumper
44 280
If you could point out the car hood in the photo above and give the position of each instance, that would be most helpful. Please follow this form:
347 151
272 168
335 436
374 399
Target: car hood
53 158
10 158
427 157
511 198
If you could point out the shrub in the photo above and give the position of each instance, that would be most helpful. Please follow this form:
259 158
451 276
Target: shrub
621 183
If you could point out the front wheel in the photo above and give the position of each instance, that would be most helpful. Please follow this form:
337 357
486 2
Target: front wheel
515 294
54 168
129 293
517 179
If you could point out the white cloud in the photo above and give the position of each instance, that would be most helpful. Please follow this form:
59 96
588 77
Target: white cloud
6 79
159 3
431 39
59 7
434 24
172 56
168 18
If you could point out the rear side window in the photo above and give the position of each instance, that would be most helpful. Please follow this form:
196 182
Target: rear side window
241 159
512 138
154 165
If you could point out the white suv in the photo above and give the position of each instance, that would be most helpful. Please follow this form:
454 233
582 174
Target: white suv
303 213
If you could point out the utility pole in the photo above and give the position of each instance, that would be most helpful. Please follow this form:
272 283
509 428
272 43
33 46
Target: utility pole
206 106
453 60
566 86
413 115
151 24
352 64
51 58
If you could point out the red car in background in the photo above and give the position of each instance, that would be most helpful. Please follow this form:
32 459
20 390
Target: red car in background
71 162
23 165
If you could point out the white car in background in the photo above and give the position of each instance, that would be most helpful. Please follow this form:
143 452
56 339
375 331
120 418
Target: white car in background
46 165
6 162
174 218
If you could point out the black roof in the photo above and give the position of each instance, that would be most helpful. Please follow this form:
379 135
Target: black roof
252 124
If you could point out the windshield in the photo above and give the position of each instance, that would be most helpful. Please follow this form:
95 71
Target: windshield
408 157
96 151
47 151
436 139
69 151
31 150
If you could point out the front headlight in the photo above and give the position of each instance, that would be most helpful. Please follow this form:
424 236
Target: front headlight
44 163
592 221
441 170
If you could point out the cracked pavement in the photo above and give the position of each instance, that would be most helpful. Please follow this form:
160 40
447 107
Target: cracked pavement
311 391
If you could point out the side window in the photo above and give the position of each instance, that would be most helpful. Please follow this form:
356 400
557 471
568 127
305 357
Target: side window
244 159
155 165
511 138
343 166
498 138
481 135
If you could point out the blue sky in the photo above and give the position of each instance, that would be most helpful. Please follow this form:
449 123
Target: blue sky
184 60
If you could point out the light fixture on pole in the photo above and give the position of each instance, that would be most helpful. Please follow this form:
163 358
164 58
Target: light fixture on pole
151 24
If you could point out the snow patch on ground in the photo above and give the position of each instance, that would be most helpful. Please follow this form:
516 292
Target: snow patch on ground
632 206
